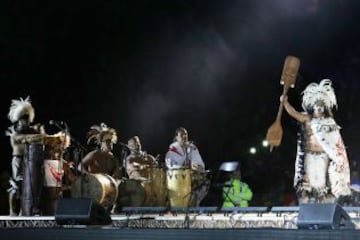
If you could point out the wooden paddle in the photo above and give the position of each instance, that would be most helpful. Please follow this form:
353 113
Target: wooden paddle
288 78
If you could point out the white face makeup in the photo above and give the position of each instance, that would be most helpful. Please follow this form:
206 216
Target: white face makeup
319 109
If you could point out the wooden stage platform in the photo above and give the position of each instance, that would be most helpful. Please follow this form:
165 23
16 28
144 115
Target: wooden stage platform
200 223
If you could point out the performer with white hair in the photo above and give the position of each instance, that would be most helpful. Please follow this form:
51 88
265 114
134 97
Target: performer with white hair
322 172
21 114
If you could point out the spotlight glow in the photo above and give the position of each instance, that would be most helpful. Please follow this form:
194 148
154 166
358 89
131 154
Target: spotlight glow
252 150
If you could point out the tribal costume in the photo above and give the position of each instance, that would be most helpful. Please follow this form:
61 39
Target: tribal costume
21 114
101 160
322 175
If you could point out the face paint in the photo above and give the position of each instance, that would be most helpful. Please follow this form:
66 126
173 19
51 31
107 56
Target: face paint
319 109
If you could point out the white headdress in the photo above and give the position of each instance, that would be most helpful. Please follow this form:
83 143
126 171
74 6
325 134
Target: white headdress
101 133
20 108
322 91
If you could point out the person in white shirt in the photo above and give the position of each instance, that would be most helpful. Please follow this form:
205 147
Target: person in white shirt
183 153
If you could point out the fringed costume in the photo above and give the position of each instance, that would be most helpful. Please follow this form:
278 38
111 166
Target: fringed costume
21 114
321 175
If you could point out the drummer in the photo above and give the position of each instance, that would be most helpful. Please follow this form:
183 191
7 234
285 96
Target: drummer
138 161
102 159
139 166
22 115
183 153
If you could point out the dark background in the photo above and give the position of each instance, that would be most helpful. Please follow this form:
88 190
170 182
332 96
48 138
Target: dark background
148 67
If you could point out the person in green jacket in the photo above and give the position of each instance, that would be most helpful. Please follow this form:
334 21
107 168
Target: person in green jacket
236 193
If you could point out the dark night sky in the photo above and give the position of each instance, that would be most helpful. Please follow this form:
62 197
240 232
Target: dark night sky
148 67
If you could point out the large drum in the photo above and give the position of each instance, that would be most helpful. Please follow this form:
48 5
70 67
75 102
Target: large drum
100 187
178 183
52 185
33 179
131 194
52 189
43 172
155 187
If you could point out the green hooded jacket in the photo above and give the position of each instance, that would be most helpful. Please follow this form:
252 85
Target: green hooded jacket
236 193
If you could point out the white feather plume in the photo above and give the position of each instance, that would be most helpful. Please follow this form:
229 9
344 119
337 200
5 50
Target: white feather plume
100 133
19 108
322 91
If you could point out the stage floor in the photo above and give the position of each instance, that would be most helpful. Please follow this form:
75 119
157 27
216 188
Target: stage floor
280 224
198 218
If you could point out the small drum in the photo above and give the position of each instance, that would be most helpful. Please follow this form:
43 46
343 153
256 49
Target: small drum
155 187
53 173
178 183
100 187
131 194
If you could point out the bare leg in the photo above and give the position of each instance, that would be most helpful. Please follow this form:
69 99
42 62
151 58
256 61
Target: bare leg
13 198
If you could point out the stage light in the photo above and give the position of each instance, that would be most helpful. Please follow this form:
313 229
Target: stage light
252 150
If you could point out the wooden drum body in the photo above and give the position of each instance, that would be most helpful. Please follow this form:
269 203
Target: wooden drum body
131 193
100 187
155 187
178 183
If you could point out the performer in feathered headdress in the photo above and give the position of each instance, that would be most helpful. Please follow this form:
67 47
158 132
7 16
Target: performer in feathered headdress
21 114
101 133
99 161
322 172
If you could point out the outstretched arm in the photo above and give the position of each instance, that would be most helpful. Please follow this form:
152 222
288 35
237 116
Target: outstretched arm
291 110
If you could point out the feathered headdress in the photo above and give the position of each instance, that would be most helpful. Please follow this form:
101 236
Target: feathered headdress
101 133
322 91
20 108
